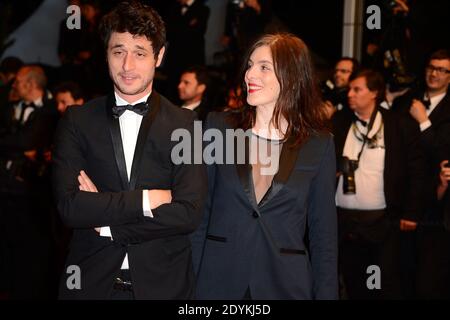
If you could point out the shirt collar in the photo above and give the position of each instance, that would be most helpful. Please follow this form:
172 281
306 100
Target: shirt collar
122 102
38 102
436 99
191 106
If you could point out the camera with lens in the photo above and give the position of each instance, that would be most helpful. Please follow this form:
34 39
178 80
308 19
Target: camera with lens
397 76
348 168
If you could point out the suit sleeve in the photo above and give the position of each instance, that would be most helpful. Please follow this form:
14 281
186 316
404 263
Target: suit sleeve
416 180
181 216
428 139
322 223
79 209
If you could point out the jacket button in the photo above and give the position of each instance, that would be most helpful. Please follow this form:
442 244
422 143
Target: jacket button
255 214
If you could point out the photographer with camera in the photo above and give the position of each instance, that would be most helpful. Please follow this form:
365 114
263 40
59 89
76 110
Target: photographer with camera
379 185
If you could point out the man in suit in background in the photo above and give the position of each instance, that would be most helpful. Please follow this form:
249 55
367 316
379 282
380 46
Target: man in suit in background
115 182
425 114
24 205
192 90
67 94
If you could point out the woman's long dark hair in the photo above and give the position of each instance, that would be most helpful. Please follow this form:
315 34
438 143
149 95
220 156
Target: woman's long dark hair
299 101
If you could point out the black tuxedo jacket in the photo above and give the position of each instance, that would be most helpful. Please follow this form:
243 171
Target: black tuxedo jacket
35 133
159 250
431 146
439 116
403 175
244 244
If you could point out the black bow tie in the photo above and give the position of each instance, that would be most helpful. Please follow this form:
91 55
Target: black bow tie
426 103
139 108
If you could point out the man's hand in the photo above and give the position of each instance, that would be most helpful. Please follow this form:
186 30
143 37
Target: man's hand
444 174
31 154
407 225
159 197
87 185
444 177
418 111
390 96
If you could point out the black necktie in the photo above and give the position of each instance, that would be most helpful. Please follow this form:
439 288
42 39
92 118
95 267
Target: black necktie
139 108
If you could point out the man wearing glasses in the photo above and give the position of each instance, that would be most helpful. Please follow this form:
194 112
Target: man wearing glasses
424 114
335 92
437 77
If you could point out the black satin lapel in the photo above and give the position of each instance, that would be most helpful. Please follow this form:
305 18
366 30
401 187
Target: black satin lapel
142 137
116 138
244 171
288 158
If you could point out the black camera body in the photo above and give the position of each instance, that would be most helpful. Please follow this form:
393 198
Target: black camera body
348 168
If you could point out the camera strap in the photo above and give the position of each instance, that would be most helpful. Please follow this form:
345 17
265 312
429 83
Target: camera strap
369 128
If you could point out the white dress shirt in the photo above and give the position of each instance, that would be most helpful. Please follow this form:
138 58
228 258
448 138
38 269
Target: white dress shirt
191 106
369 175
28 110
130 123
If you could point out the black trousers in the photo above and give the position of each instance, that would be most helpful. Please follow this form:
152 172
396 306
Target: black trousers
433 264
368 238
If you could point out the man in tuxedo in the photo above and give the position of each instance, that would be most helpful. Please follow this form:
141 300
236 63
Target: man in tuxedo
115 181
425 114
379 188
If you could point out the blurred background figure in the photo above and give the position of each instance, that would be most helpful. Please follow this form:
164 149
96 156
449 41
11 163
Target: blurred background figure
186 27
335 91
192 90
67 94
8 70
25 197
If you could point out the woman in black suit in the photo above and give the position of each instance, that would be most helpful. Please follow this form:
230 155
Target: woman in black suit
275 189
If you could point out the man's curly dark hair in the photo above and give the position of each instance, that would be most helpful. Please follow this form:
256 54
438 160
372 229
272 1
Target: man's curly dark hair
137 19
